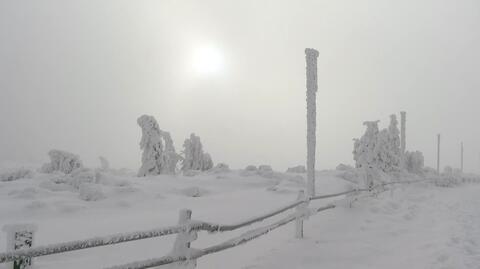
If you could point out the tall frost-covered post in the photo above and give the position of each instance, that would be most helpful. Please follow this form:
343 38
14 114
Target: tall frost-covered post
311 56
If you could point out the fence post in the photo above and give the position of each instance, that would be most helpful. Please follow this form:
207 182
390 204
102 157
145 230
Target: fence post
300 215
20 236
181 246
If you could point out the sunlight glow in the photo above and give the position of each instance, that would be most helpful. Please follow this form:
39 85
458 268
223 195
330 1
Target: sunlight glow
207 61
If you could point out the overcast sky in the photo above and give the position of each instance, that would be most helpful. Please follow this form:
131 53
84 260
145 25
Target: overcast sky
75 75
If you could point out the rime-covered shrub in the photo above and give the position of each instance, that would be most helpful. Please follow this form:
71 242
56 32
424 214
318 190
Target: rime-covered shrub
297 169
220 168
159 156
91 192
265 170
364 148
194 157
379 149
104 164
251 168
15 174
62 161
414 162
344 167
81 176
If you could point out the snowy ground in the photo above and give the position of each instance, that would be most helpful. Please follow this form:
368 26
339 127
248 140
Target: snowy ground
416 226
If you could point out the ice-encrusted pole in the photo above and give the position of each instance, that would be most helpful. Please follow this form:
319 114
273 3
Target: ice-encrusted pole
300 214
438 153
311 56
181 246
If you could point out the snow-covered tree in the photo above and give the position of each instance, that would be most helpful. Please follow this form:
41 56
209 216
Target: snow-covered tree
394 150
364 148
414 162
379 149
194 157
159 156
62 161
387 148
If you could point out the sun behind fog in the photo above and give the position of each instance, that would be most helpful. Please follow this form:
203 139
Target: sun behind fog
208 61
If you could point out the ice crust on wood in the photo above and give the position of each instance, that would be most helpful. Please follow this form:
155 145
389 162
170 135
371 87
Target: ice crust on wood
311 56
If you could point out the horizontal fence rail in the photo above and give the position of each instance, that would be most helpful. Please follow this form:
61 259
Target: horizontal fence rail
188 227
242 239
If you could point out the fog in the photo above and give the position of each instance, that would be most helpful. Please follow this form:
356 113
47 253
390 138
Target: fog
75 75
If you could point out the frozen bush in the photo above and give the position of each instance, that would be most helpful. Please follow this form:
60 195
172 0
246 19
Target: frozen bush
80 177
104 164
379 149
364 148
448 170
15 174
297 169
90 192
265 168
251 168
220 168
62 161
414 162
344 167
193 192
194 157
265 171
159 156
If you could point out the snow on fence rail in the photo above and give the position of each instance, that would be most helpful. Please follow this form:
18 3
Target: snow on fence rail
186 233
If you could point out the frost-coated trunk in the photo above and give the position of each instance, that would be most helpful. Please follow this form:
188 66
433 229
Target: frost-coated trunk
311 56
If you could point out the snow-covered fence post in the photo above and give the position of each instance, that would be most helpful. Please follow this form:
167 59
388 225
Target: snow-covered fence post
19 237
300 214
311 56
438 154
181 246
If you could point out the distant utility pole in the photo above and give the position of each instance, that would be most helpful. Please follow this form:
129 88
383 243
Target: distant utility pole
461 157
311 56
438 154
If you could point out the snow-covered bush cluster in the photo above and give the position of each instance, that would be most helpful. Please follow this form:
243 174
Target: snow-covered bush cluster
220 168
414 162
297 169
15 174
62 161
194 157
379 149
159 156
263 170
